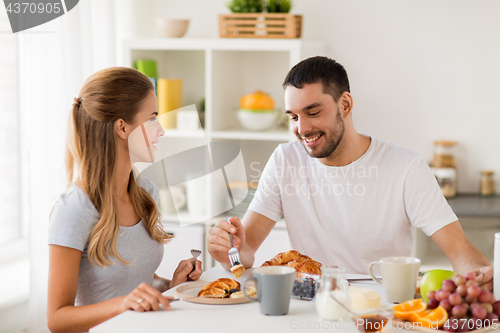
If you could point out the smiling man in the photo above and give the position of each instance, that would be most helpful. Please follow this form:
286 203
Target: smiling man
348 199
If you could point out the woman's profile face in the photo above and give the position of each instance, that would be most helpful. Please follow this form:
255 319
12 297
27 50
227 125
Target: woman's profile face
144 138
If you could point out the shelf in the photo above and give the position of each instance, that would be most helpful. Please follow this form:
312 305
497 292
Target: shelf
242 134
233 44
174 133
185 217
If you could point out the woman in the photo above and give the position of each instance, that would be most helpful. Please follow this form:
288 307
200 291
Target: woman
106 239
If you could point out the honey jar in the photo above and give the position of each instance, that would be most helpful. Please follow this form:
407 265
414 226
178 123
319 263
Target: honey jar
487 183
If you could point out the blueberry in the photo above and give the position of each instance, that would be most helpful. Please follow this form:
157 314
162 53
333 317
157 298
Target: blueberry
233 291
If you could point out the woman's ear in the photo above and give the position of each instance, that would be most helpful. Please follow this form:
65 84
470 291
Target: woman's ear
121 129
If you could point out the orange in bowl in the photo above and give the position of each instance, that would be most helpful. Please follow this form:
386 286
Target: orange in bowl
431 318
407 309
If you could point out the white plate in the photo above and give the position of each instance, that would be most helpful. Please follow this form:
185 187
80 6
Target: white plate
188 292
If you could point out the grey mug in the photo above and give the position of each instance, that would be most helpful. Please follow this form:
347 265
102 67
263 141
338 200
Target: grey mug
274 286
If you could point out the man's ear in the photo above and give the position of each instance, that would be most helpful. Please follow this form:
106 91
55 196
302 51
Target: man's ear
346 104
121 129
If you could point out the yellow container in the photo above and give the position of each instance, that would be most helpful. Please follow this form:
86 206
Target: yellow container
169 99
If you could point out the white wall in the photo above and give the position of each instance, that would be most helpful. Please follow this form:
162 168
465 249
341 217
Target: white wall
420 70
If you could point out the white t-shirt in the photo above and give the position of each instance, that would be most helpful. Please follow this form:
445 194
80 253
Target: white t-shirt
355 214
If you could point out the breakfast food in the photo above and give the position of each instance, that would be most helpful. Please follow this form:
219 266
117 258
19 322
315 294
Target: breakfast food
251 291
294 259
220 288
362 298
237 270
460 305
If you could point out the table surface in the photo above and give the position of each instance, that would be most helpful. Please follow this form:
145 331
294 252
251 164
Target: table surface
245 317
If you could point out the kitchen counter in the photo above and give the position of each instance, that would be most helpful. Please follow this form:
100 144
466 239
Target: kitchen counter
474 205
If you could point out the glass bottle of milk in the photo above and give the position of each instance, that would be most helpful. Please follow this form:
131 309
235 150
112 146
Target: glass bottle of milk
332 283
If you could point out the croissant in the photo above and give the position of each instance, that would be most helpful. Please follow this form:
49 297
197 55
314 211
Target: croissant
220 288
294 259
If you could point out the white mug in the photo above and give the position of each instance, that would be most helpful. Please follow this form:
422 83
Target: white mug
399 277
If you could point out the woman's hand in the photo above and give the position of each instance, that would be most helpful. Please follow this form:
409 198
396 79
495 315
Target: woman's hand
145 298
185 272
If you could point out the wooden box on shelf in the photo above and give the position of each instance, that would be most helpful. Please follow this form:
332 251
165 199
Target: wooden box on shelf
260 25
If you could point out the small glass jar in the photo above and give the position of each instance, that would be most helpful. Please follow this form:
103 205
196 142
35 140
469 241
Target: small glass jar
447 180
487 183
444 154
332 283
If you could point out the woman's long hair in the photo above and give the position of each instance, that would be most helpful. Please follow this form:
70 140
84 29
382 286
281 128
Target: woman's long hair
108 95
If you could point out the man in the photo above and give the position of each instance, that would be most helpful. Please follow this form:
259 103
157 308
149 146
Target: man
348 199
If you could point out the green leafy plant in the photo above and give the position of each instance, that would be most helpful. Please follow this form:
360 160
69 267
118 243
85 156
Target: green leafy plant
246 6
278 6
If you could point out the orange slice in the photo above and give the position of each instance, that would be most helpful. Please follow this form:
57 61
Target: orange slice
431 318
407 309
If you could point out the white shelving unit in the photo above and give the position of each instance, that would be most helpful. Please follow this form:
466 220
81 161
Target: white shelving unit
221 71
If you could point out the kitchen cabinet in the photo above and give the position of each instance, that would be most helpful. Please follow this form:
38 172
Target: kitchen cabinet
221 71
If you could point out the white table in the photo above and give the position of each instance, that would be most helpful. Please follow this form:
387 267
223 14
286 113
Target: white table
246 317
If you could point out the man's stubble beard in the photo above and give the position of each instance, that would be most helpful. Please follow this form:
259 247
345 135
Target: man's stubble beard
332 142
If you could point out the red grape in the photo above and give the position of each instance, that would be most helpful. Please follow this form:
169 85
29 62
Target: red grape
433 303
459 311
445 303
471 283
431 294
462 290
474 291
491 319
496 308
450 325
442 294
485 296
448 285
488 307
455 299
466 305
470 276
463 326
458 280
479 312
470 299
474 305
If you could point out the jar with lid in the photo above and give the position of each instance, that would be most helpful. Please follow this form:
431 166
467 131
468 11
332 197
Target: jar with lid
444 154
332 283
487 183
447 180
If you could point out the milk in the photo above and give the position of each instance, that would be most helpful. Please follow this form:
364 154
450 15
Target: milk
496 266
328 308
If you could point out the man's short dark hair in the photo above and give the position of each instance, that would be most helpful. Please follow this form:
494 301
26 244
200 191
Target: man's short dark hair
330 73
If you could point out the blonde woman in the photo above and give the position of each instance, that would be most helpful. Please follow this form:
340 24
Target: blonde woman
105 235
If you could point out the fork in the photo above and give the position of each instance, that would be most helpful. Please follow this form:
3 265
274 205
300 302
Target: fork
234 255
195 254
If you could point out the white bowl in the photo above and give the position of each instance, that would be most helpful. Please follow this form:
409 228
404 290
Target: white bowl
256 121
172 27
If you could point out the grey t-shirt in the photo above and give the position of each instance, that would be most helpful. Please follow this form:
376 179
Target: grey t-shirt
71 222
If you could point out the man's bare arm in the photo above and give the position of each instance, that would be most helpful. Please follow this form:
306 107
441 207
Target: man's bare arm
464 256
257 228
